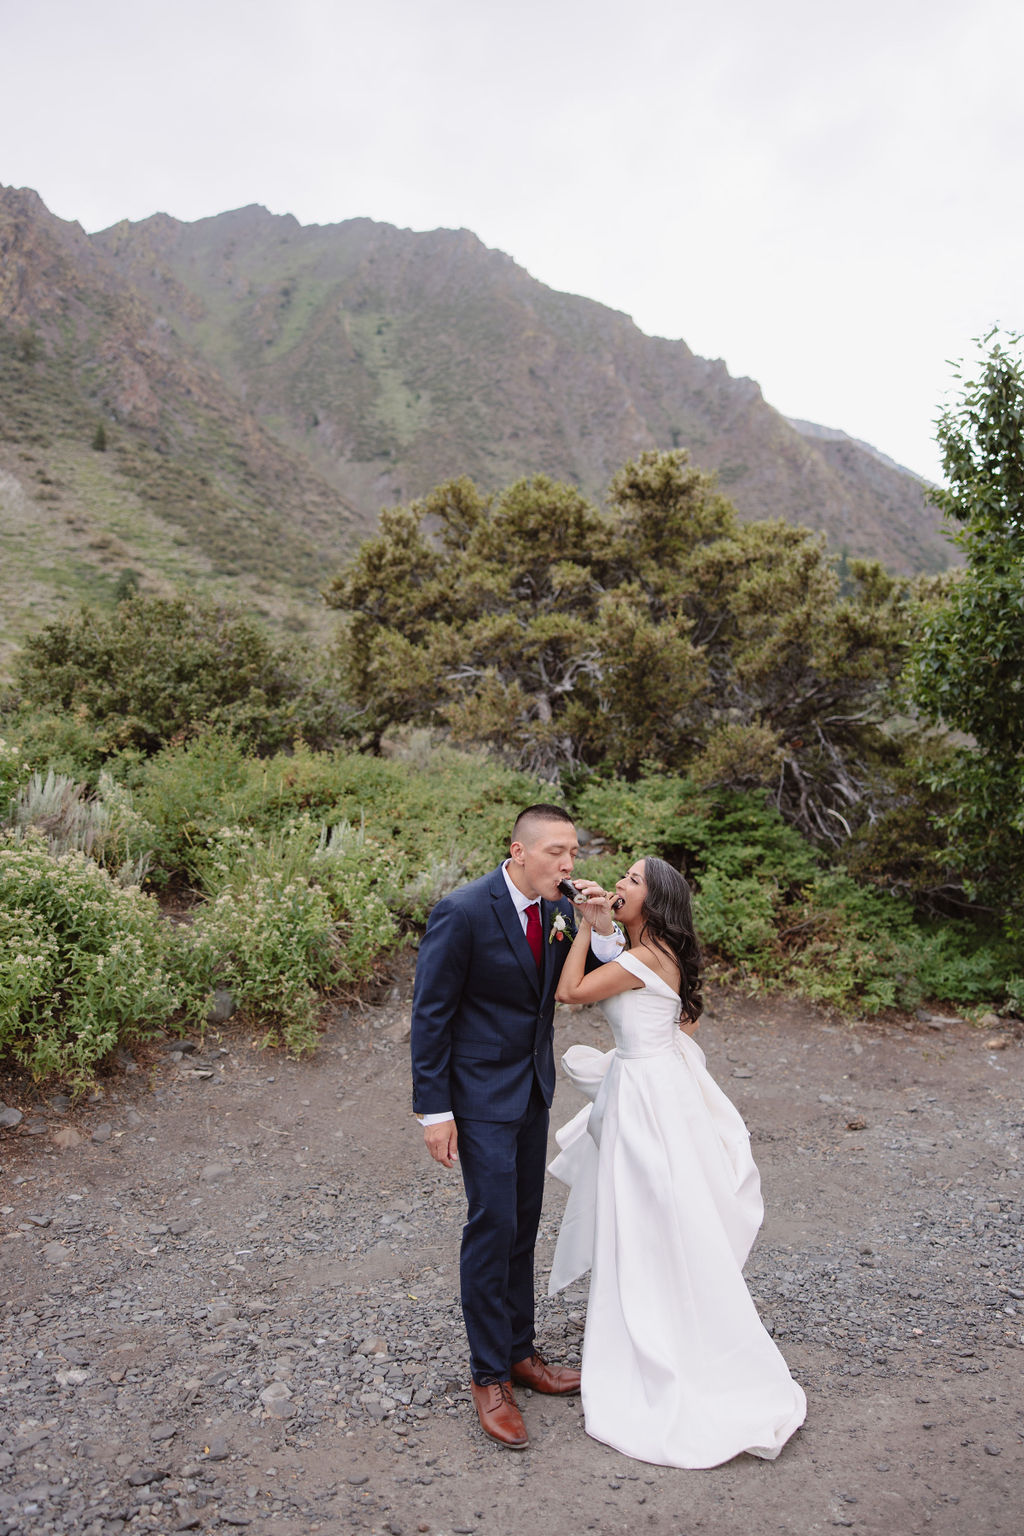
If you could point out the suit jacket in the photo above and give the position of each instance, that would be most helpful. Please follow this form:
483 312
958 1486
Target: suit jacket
481 1013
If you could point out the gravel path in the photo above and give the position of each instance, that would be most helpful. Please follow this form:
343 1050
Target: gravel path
229 1298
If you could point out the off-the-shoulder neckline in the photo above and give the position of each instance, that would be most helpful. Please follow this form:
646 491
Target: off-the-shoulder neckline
635 960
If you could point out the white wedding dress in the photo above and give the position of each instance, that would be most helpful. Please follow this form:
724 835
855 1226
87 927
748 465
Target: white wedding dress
664 1205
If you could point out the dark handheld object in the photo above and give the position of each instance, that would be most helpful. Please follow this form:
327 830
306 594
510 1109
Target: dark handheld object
572 892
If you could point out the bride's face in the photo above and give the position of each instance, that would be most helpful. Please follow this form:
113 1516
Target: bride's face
632 889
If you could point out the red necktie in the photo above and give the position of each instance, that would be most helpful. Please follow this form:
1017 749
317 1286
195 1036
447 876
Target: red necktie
533 937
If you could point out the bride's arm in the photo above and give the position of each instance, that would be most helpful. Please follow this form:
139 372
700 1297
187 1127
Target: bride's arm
577 985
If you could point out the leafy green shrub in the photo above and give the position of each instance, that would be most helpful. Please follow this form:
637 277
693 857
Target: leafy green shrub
296 903
366 884
307 907
844 944
188 792
14 771
737 918
311 865
156 669
768 908
270 944
952 963
440 807
658 811
83 962
698 829
61 741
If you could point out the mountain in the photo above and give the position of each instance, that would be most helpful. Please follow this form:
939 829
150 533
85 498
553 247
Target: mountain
122 450
394 360
264 387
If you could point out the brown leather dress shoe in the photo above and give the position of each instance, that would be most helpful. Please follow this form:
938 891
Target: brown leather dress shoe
499 1417
556 1380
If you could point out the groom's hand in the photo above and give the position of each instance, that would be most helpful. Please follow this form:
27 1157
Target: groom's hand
442 1142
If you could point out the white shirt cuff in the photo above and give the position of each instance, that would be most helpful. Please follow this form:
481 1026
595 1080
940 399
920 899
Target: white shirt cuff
435 1119
607 946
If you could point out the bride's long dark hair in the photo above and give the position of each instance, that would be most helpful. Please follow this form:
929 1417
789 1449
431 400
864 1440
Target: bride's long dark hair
667 917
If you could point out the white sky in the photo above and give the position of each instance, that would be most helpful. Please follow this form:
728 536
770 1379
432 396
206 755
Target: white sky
826 196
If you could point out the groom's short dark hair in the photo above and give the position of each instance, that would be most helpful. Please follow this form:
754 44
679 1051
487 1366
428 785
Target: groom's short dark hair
534 813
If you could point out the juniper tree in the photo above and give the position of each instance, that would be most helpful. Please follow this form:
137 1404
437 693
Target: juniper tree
657 630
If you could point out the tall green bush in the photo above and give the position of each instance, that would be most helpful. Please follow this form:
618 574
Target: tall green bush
431 802
775 911
154 670
84 963
271 944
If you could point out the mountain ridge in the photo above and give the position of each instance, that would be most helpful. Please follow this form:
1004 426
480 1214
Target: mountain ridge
551 381
264 387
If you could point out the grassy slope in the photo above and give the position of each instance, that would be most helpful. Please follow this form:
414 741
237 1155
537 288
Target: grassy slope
73 519
190 490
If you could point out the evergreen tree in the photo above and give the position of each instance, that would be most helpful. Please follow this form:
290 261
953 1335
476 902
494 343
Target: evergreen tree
967 669
658 631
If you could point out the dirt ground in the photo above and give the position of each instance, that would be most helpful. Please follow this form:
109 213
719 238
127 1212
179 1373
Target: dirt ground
229 1289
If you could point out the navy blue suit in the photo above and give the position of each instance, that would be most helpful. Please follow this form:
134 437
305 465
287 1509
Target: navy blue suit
483 1047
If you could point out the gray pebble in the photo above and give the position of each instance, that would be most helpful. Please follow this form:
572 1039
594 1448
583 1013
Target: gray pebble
213 1172
56 1253
222 1007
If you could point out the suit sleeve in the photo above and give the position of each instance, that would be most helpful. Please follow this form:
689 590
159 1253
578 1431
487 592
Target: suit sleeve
442 966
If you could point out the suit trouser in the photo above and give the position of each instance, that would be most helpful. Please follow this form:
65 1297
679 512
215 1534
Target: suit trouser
503 1171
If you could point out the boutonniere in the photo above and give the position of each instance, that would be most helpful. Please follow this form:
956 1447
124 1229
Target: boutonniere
559 928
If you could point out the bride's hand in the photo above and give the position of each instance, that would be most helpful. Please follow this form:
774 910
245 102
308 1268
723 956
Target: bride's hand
596 906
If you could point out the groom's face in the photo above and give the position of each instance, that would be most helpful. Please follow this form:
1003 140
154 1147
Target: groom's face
545 855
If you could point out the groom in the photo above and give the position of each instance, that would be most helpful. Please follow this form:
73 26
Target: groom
483 1078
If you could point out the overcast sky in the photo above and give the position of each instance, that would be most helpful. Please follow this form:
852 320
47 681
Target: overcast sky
826 196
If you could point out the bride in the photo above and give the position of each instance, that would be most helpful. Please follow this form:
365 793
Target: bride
664 1206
